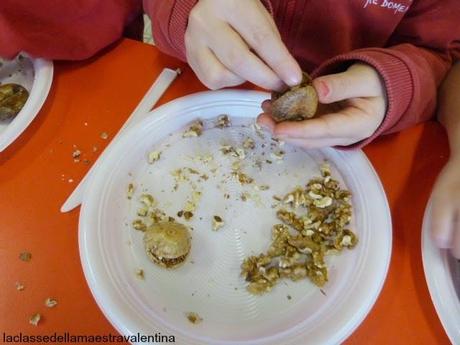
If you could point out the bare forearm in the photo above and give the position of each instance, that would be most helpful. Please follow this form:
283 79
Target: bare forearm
449 109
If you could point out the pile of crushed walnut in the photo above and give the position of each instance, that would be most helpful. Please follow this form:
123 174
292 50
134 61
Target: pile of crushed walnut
314 225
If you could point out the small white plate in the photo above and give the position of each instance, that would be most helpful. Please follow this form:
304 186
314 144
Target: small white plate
442 273
209 283
36 75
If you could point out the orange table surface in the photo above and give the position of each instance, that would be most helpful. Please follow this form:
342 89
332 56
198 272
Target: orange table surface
37 174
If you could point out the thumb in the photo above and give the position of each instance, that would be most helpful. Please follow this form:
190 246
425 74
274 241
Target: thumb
358 81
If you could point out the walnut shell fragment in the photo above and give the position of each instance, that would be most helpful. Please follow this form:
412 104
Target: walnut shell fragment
167 243
12 99
298 103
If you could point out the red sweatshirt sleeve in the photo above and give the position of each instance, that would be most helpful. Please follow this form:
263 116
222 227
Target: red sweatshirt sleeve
412 67
169 23
70 30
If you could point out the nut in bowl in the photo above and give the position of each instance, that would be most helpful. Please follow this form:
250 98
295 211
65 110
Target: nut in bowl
12 100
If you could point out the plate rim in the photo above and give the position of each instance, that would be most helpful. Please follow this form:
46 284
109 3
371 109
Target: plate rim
341 336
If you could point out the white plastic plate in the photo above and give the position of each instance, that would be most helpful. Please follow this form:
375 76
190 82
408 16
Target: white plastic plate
209 283
442 273
36 75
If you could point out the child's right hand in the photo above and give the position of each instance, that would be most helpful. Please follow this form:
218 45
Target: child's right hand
229 42
445 212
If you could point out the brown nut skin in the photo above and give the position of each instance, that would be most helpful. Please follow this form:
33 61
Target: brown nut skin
12 99
298 103
167 244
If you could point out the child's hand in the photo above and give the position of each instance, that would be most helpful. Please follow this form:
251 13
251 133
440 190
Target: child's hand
360 111
229 42
445 210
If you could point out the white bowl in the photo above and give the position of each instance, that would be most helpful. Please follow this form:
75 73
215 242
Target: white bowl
36 75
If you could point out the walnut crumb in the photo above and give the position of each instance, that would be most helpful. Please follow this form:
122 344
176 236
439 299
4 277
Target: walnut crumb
242 177
140 274
192 203
277 155
130 191
217 223
223 121
195 130
139 225
188 215
249 144
232 151
35 319
147 199
154 156
143 212
194 317
76 155
50 302
25 256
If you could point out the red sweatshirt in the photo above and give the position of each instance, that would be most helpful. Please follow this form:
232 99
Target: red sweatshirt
409 42
68 30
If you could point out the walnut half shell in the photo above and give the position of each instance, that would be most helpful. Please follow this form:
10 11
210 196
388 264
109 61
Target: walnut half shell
298 103
167 243
12 99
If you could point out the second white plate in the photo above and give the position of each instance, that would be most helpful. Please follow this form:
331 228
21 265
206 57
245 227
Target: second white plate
36 75
442 273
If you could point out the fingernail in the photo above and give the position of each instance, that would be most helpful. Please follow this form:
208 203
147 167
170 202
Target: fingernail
294 80
323 89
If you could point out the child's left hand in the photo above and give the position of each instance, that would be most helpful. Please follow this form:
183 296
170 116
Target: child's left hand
445 208
361 110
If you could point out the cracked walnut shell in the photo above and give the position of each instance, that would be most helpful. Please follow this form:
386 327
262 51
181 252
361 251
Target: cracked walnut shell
298 103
